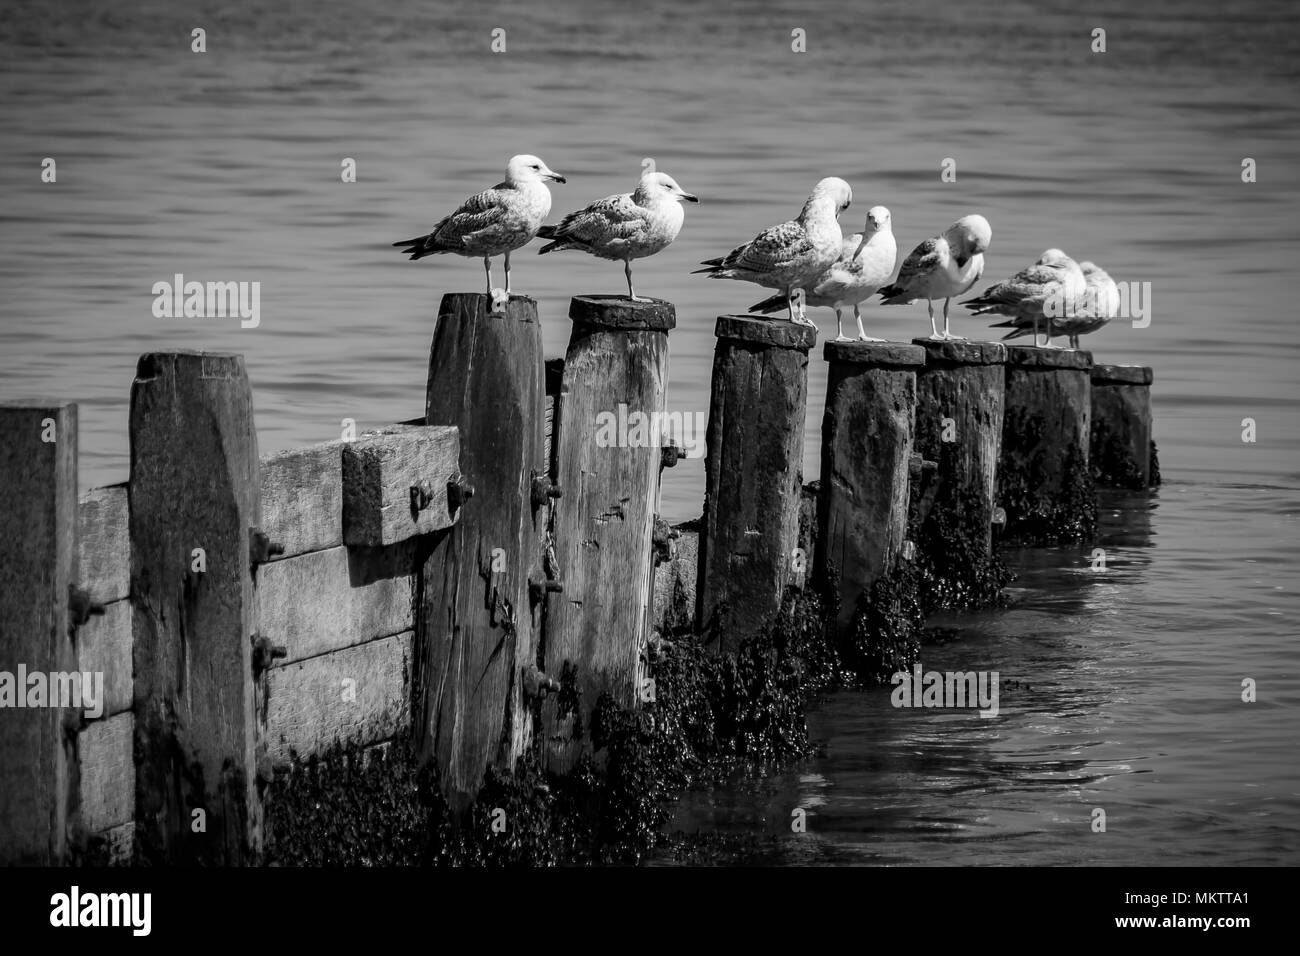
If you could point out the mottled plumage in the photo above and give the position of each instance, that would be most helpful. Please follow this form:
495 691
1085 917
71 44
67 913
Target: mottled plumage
793 254
865 263
941 267
624 227
1050 288
1100 304
494 222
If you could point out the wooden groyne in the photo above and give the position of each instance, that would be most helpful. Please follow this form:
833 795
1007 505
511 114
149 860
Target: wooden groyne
489 579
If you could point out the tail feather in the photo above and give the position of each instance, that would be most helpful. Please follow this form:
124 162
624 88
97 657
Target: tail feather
776 303
894 295
547 232
418 247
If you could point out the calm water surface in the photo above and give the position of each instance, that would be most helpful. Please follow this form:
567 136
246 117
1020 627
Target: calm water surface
225 166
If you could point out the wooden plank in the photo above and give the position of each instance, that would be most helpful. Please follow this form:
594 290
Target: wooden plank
395 483
103 544
107 773
194 485
866 459
477 629
104 647
38 557
753 475
302 498
325 600
615 376
360 694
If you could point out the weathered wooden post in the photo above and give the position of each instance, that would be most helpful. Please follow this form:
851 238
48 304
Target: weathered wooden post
608 451
959 407
476 632
866 460
1120 448
753 475
194 513
38 569
1044 481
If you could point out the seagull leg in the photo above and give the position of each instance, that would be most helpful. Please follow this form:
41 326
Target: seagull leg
934 329
1048 344
862 333
627 271
946 334
500 298
507 273
839 326
1036 332
1074 342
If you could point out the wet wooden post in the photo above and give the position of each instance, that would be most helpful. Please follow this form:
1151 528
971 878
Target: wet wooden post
1044 481
608 452
867 437
475 635
753 475
1120 447
959 408
195 506
38 769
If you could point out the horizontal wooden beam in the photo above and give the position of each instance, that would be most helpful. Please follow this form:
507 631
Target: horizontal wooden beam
360 694
327 600
395 484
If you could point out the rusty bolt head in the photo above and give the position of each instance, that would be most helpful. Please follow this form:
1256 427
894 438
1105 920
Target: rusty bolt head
459 491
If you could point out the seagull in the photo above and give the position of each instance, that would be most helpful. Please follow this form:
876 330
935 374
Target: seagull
1100 304
495 222
865 264
1052 287
793 254
628 226
942 267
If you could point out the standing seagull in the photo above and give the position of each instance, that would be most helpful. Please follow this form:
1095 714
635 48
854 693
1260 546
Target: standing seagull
792 255
942 267
495 222
627 226
865 264
1100 304
1051 287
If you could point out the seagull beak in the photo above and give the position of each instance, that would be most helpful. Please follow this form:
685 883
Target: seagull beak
690 197
555 177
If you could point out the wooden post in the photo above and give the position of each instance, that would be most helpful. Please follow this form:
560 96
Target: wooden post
753 474
959 408
1120 448
1044 481
476 632
866 461
608 451
38 565
194 501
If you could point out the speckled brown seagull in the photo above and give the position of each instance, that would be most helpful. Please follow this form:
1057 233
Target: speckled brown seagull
495 222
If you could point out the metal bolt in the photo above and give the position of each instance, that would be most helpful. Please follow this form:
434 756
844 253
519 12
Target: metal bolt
421 495
538 589
261 548
264 653
459 491
999 516
536 683
80 606
669 455
543 491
